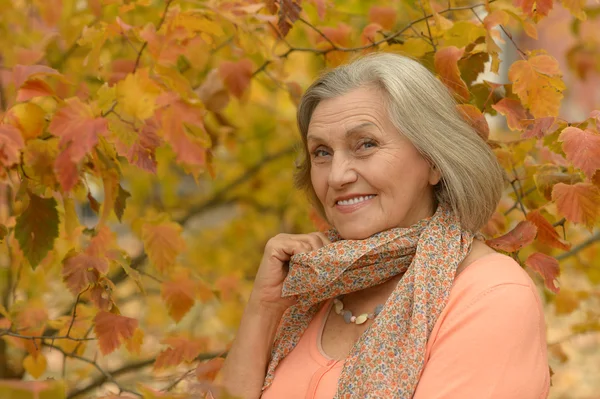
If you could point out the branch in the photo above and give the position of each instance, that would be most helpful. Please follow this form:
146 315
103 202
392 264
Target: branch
160 23
41 337
576 249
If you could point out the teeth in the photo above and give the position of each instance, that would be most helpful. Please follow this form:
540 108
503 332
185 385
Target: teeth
356 200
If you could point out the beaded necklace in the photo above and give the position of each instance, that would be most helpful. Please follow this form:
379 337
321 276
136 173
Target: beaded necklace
349 317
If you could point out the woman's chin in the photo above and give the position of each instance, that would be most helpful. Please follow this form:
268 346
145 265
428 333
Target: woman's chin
356 233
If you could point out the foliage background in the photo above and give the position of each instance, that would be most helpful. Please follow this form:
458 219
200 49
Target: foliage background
148 147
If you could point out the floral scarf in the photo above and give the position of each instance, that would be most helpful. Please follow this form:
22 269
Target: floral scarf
387 360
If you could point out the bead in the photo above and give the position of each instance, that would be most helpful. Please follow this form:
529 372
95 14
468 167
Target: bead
378 309
347 316
361 319
353 319
338 306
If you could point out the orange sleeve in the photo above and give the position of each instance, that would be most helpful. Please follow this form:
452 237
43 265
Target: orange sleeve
491 347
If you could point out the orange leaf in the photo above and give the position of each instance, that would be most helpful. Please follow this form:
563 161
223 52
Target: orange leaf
542 7
35 365
384 16
22 73
446 65
369 33
582 148
163 243
547 267
522 235
578 203
180 349
11 144
540 128
340 35
34 88
81 270
475 118
134 344
514 112
112 329
236 75
179 295
546 232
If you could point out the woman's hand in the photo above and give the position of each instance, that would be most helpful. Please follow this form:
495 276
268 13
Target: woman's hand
274 268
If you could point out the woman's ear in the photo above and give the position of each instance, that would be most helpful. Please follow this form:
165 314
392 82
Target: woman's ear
434 175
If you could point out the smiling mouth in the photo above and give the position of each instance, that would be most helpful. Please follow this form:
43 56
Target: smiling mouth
356 200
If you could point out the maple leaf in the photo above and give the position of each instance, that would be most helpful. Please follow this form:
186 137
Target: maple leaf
35 365
100 294
112 330
446 65
384 16
547 267
538 83
178 295
183 128
542 7
163 242
514 112
473 116
545 231
540 128
34 88
82 270
522 235
236 75
37 228
11 144
137 94
578 203
549 175
38 161
582 148
22 73
29 118
180 349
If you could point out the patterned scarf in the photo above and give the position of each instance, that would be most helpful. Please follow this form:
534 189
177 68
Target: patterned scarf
387 360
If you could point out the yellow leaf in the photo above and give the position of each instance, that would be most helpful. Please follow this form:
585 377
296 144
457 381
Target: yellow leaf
137 94
38 161
463 33
412 47
576 8
29 118
35 365
134 344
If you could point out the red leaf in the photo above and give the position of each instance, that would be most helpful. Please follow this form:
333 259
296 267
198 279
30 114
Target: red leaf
522 235
446 65
514 112
369 33
179 295
578 203
582 148
34 88
545 231
384 16
475 118
22 73
539 128
547 267
289 12
542 7
236 75
112 330
11 144
66 170
81 270
181 349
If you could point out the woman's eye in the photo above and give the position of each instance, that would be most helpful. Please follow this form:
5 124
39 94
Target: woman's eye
368 144
320 152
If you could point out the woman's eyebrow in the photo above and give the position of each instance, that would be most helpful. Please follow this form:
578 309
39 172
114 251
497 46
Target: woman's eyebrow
353 130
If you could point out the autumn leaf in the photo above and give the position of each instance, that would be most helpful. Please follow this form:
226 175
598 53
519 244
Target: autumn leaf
35 365
369 34
473 116
514 112
383 16
539 128
576 7
34 389
134 344
538 83
22 73
446 65
11 144
112 330
34 88
578 203
582 148
120 202
547 267
180 349
179 295
549 175
236 75
163 243
137 94
542 7
82 270
522 235
289 12
546 233
29 118
37 228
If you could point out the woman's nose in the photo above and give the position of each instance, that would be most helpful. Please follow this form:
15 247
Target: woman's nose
342 171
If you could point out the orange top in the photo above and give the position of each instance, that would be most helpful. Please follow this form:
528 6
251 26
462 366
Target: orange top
489 342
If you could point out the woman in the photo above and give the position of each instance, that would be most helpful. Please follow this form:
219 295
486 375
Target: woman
398 300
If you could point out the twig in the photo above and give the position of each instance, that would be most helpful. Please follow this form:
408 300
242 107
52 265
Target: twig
428 27
41 337
583 245
160 23
178 380
75 312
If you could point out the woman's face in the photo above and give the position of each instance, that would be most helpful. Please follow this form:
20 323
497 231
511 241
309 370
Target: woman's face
368 177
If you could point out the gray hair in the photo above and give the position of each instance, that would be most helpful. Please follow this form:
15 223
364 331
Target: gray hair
424 111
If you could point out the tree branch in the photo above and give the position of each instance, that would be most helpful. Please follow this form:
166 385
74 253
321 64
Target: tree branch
160 23
583 245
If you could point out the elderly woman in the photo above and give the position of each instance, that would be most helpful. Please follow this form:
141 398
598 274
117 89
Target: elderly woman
400 299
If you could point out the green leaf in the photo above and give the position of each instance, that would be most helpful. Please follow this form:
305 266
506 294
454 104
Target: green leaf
120 202
37 227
